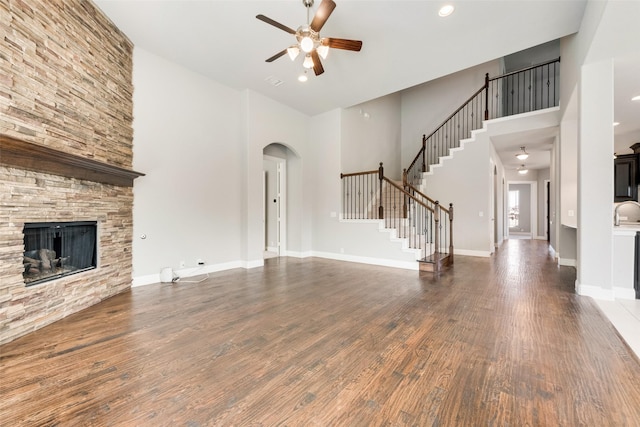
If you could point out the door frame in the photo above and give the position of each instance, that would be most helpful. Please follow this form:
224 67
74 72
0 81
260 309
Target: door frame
534 205
281 204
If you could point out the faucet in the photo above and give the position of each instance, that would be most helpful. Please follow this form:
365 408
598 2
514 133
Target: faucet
616 215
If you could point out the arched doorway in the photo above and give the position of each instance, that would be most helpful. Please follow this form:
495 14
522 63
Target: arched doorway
275 161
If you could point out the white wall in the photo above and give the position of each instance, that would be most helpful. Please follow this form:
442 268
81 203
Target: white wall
333 238
426 106
268 121
371 134
466 180
608 31
186 141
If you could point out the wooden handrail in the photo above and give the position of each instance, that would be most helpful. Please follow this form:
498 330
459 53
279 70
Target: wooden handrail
464 104
456 112
344 175
420 193
524 69
406 193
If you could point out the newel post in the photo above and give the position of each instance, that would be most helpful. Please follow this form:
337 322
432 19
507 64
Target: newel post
424 150
436 220
486 96
381 178
451 232
405 186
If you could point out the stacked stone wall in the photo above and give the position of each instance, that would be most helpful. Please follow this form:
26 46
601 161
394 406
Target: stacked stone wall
65 83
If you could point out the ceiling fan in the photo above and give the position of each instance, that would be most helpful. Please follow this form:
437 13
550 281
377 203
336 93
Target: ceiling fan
308 37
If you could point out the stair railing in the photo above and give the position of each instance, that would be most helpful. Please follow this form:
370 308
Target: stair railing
533 88
425 224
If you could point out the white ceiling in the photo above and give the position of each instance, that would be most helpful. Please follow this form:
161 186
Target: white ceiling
405 43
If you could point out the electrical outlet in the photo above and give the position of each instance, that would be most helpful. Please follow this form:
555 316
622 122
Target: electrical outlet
182 264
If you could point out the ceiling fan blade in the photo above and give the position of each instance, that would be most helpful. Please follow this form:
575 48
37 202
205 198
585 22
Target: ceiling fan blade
345 44
317 65
276 56
322 14
275 24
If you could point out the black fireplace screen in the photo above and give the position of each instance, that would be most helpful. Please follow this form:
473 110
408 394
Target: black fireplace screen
54 250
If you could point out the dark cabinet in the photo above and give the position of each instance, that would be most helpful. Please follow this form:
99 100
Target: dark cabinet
625 177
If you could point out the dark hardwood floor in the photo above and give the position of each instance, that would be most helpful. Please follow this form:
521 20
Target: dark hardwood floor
502 341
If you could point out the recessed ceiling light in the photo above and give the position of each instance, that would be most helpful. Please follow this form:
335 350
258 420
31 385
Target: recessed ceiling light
616 123
446 10
636 98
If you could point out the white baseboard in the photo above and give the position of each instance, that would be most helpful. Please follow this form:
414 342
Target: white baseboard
151 279
567 262
296 254
469 252
624 293
407 265
252 264
145 280
595 292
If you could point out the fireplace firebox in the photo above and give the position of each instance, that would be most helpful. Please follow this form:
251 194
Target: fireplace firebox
54 250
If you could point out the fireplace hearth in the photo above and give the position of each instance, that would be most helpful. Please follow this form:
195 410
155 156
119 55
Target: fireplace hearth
55 250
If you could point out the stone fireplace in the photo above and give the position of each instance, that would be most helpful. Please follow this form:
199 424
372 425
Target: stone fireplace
66 151
53 250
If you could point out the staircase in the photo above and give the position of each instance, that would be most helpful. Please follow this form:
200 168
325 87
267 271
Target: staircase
403 205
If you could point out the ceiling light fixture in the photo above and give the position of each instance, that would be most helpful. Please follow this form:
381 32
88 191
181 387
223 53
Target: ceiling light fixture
293 52
323 51
446 10
636 98
522 170
308 37
522 155
306 44
616 123
308 62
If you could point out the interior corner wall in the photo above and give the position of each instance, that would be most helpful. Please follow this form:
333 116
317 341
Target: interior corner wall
187 133
269 122
427 106
370 134
333 238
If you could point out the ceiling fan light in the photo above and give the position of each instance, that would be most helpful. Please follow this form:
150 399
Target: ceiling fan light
323 50
306 44
446 10
293 52
308 62
523 155
303 77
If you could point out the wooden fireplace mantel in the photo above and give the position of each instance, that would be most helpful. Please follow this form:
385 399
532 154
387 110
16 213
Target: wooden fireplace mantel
27 155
